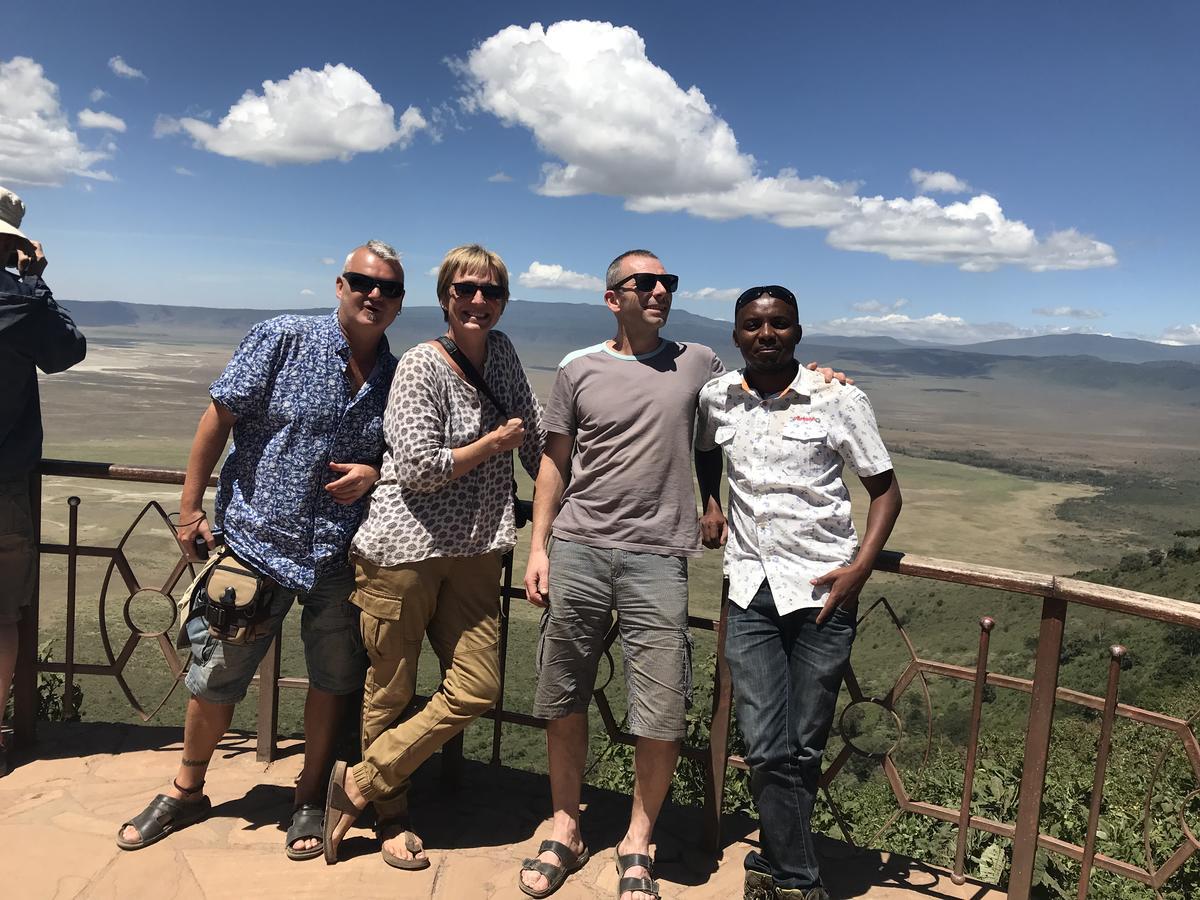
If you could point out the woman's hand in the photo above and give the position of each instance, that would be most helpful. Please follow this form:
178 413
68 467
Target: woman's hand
356 480
508 436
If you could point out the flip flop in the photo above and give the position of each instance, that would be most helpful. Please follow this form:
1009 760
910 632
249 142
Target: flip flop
163 816
307 822
556 875
337 807
411 843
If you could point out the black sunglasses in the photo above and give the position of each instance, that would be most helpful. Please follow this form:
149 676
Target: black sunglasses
645 281
771 290
364 284
466 290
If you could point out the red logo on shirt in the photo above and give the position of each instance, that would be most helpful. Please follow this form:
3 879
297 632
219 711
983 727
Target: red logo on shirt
804 418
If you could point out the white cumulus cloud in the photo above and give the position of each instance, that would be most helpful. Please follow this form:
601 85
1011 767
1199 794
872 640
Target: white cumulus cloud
615 123
122 69
936 327
877 306
500 178
1178 335
937 182
37 143
91 119
711 293
97 95
308 117
328 261
181 170
554 276
307 292
1068 312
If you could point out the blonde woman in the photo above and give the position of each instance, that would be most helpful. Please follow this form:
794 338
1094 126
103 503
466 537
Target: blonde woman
427 557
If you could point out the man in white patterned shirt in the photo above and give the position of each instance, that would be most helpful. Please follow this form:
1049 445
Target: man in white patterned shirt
795 567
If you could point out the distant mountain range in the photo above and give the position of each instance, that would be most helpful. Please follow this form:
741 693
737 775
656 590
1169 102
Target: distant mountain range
546 330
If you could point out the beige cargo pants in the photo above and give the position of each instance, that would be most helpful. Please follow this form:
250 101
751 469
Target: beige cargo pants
456 602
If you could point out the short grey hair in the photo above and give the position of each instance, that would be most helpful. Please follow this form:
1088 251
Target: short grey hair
379 248
614 267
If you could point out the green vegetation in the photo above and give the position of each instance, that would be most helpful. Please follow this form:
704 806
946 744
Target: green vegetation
51 692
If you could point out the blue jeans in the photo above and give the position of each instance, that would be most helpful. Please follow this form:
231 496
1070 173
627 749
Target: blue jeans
787 672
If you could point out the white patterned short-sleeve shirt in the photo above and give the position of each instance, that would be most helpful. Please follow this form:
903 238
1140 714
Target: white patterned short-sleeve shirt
789 509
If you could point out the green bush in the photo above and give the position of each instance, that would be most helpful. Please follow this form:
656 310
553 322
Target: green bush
51 691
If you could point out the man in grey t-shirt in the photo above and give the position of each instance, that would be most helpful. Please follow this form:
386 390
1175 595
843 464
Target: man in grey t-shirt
614 522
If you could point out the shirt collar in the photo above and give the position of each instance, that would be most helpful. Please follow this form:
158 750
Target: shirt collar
801 384
339 345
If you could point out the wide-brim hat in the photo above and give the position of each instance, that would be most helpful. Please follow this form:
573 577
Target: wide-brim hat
12 211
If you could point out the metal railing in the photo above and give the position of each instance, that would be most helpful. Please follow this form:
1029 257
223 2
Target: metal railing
1056 595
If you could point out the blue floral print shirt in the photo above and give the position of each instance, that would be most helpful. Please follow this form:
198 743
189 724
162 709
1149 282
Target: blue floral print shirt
287 385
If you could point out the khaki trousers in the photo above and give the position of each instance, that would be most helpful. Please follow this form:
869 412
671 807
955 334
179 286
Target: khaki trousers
456 602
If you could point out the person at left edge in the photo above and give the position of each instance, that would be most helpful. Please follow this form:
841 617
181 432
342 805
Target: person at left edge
303 398
34 332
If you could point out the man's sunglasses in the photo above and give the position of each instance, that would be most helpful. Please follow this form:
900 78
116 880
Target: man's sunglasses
645 281
364 284
465 290
770 290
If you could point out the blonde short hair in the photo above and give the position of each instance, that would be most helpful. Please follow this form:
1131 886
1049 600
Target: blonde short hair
469 258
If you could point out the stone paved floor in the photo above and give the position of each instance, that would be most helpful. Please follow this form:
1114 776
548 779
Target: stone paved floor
60 811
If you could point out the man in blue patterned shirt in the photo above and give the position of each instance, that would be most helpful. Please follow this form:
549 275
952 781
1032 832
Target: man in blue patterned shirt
303 398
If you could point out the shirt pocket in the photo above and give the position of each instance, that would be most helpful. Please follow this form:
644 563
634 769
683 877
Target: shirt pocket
804 445
724 435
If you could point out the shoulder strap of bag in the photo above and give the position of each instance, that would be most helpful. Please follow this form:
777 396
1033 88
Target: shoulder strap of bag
472 374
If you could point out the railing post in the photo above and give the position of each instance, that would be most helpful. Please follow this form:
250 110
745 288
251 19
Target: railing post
268 702
986 624
1116 654
1037 747
450 775
25 693
505 598
70 695
718 736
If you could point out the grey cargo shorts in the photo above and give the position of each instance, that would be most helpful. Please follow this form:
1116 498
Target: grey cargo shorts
648 593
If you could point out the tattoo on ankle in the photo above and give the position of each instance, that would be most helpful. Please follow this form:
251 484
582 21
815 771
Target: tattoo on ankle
194 763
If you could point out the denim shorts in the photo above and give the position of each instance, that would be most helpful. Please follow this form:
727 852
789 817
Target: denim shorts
17 555
220 672
649 594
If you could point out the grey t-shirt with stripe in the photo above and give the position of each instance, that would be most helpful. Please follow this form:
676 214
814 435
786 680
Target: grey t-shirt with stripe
632 419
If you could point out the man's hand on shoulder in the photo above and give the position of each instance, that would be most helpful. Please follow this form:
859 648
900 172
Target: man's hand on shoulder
828 374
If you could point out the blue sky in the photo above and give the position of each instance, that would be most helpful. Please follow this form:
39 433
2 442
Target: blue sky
940 171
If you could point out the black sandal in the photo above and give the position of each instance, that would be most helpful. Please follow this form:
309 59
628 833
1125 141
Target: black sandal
308 821
556 875
629 883
163 816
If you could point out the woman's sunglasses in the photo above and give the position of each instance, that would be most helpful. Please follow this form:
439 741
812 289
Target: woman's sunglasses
465 290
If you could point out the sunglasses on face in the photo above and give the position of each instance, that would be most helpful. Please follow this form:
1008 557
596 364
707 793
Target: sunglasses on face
770 290
364 284
645 281
465 290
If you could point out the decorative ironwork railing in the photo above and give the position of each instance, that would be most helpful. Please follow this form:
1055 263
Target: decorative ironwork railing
122 586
